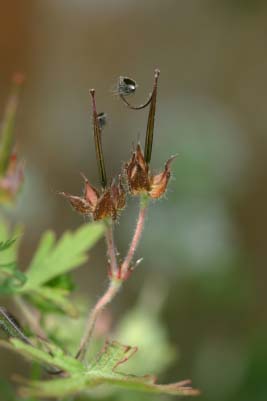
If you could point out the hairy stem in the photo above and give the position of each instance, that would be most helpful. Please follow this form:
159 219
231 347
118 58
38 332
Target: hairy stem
112 290
111 250
126 265
115 282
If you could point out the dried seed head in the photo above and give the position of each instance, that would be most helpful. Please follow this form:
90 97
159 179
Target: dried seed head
126 86
137 173
99 206
140 180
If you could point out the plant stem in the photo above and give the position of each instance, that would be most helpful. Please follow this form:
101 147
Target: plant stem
112 290
111 250
136 237
30 318
115 282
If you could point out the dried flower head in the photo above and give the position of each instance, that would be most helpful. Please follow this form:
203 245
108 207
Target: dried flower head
141 181
98 205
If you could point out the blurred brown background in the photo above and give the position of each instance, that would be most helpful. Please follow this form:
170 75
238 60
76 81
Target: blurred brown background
204 246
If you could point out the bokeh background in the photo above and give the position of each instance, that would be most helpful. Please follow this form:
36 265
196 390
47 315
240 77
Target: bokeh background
204 245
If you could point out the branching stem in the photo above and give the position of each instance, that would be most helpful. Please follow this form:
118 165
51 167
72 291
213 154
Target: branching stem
115 281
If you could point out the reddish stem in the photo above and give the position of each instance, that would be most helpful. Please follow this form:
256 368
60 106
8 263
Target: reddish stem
112 290
126 265
111 251
117 277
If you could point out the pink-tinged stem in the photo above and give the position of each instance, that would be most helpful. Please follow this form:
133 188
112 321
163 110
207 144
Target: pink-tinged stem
111 251
126 265
112 290
115 282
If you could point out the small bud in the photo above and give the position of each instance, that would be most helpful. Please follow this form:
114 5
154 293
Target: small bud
126 86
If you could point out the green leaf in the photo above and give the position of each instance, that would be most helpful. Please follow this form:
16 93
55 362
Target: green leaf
55 258
10 240
6 244
56 296
16 277
102 371
8 266
56 358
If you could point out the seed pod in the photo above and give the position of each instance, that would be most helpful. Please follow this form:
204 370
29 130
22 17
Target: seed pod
141 181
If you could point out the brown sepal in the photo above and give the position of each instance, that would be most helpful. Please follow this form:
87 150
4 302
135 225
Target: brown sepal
78 203
90 193
105 206
137 172
159 182
99 206
118 195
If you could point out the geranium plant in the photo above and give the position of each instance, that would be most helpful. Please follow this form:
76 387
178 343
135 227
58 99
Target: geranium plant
45 286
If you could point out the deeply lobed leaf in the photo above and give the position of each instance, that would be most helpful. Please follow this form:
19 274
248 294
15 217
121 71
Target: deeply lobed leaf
55 258
103 370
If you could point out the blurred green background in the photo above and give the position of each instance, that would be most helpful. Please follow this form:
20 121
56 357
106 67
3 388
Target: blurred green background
204 245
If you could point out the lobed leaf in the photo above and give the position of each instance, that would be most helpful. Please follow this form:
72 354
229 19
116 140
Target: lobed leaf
10 276
58 297
102 371
55 258
53 356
